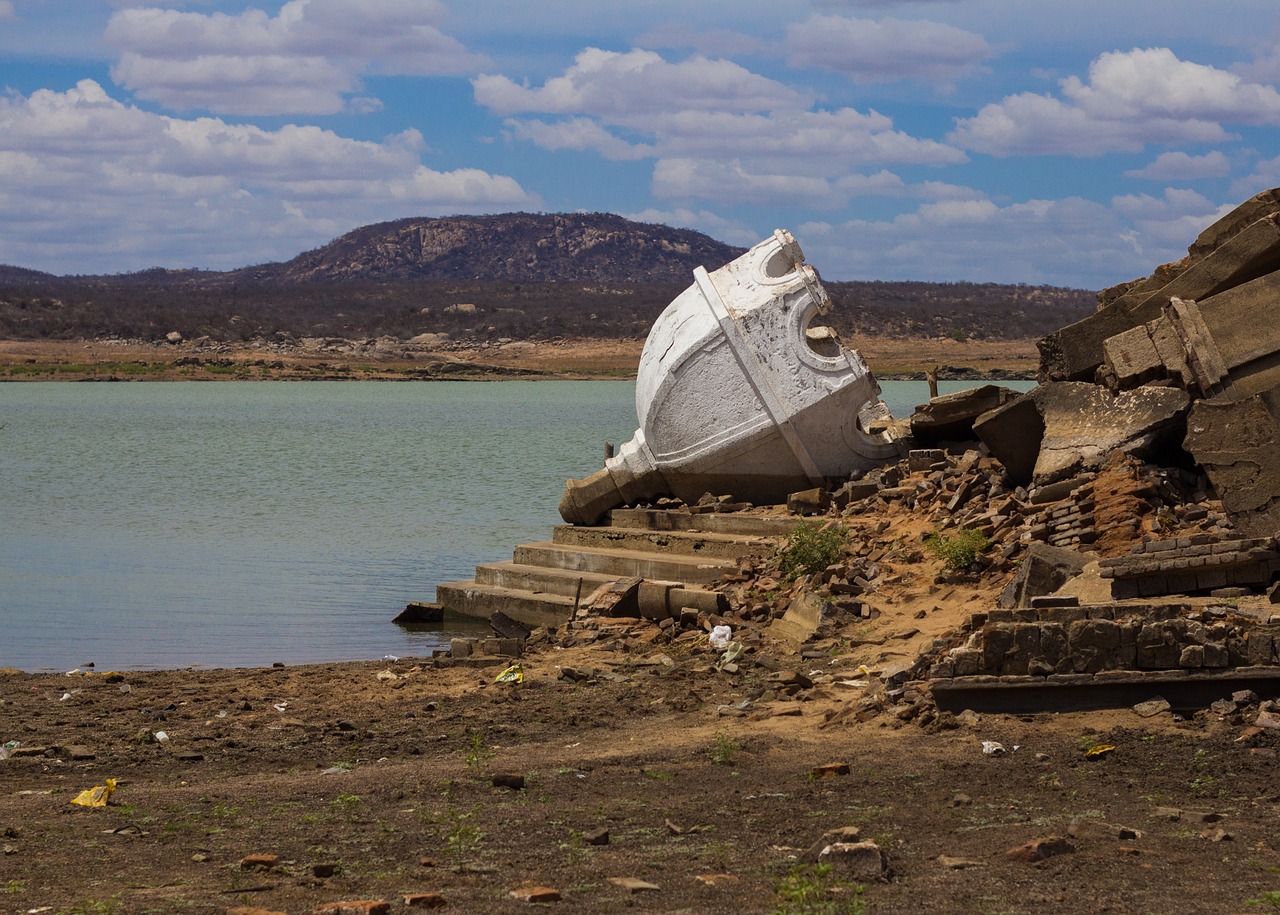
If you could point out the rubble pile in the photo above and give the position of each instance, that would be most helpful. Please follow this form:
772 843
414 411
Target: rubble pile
1126 506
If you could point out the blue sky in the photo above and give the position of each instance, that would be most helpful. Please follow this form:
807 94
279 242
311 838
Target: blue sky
1074 144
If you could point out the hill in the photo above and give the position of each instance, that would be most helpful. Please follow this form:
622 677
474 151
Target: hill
514 247
476 278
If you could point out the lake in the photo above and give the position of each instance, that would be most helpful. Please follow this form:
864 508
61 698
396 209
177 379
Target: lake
238 524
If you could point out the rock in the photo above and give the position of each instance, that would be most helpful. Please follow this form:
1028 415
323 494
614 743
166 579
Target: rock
809 501
324 870
958 863
1040 849
1152 707
855 860
597 836
252 910
259 862
846 834
354 907
536 894
634 884
511 780
718 879
425 901
829 770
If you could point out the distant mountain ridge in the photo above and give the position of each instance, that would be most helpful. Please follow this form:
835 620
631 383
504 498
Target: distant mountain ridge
515 275
512 247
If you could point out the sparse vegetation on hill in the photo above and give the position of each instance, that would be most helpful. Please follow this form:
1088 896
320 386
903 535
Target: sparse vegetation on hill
520 276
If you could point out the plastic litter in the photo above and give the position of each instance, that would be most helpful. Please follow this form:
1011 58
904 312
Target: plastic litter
732 652
513 674
7 750
1101 750
721 636
96 796
161 737
991 748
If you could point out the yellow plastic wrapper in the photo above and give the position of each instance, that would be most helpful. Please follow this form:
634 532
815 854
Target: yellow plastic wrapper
1101 750
96 796
513 674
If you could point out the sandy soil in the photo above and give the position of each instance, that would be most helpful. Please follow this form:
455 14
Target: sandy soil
376 781
569 358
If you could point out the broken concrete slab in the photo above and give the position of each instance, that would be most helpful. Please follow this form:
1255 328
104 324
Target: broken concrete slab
1013 433
950 418
1236 443
1044 570
1076 426
1241 254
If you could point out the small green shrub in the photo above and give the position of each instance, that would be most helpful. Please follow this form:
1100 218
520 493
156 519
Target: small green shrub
816 890
810 548
959 550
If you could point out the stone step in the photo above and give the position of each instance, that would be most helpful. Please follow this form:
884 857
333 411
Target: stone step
533 608
738 523
671 543
612 561
540 579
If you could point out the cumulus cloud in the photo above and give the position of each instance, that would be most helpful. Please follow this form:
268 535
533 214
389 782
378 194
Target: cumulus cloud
1057 242
886 50
579 134
1179 166
307 59
1131 99
714 128
730 231
613 84
144 189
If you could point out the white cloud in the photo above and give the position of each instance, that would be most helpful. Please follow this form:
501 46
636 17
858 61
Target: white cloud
616 85
579 134
871 51
6 9
1179 166
305 60
1132 99
730 231
716 129
1055 242
142 189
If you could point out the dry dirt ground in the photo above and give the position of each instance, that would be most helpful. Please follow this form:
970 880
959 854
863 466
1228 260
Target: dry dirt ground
375 781
44 360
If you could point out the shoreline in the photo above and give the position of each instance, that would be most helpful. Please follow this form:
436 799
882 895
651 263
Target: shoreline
391 360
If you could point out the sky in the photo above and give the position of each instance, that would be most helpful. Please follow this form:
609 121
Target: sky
1075 144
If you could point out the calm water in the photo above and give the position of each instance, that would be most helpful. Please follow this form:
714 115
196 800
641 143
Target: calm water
238 524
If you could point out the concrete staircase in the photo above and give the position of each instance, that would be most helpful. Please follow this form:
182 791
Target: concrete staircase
679 554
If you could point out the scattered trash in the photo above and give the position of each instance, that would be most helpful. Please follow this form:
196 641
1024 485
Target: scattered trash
513 674
732 652
388 675
280 706
390 657
1101 750
161 737
96 796
991 748
7 750
720 637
